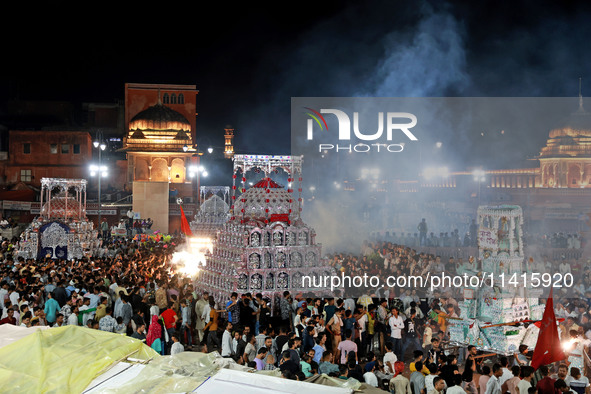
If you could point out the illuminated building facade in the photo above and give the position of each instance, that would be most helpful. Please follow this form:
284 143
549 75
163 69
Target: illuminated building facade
565 161
159 142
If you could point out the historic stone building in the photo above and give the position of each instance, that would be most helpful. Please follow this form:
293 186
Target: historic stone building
159 142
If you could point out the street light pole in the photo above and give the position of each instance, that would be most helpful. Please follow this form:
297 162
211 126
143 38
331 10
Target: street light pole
101 146
198 170
99 191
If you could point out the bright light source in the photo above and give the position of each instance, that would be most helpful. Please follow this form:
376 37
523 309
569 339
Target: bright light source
96 144
185 148
312 188
189 262
201 168
568 345
102 170
193 168
438 144
431 172
205 174
103 146
479 175
210 150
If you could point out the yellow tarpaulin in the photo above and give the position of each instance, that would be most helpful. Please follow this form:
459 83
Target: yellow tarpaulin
64 359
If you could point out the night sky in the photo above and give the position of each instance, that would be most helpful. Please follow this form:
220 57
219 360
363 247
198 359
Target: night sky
247 61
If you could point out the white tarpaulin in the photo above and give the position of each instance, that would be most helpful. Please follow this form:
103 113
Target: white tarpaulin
232 381
10 333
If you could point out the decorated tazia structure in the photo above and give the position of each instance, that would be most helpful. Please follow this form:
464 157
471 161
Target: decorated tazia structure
495 315
62 229
265 246
213 213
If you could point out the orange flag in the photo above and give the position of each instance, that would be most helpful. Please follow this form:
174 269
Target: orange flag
548 348
185 228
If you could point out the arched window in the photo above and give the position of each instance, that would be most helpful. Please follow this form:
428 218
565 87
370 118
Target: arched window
159 170
181 99
173 98
254 261
255 239
270 282
295 260
283 280
256 282
296 280
277 238
165 98
242 282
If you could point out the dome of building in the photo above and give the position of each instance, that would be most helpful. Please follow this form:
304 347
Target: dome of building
576 125
264 199
572 138
56 208
159 117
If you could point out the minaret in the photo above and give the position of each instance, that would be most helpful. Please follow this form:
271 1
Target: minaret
229 142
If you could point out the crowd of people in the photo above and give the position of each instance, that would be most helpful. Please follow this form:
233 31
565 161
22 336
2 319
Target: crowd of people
422 236
563 240
398 340
6 223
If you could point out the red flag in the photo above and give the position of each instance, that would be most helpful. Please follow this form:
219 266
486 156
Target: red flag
548 347
185 228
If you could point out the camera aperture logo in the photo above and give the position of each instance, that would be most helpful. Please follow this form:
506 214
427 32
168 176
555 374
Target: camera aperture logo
394 122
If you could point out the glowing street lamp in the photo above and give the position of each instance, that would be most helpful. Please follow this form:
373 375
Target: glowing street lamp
100 172
198 171
100 169
479 175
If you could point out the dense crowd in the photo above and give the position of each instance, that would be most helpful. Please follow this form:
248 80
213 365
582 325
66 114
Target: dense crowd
384 259
396 339
6 223
422 236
